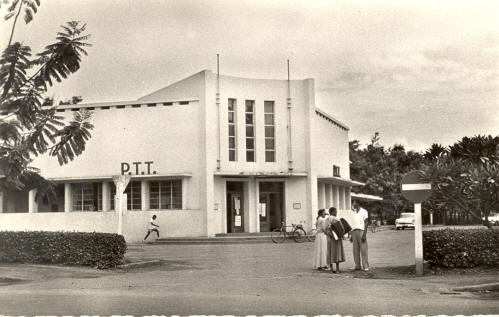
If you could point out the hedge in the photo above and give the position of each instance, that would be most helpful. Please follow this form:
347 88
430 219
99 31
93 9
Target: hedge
461 248
100 250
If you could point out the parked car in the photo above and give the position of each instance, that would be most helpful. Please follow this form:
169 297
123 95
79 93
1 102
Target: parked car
493 218
406 220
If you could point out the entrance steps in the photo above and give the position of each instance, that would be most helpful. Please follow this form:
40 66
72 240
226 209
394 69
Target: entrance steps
231 238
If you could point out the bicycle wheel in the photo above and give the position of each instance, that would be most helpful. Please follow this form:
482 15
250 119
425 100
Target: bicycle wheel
277 236
299 235
311 235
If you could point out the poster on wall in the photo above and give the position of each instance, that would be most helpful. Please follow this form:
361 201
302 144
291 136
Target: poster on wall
263 210
238 221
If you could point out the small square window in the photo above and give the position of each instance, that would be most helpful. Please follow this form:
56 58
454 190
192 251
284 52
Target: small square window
249 105
249 118
250 143
269 156
250 156
232 155
269 144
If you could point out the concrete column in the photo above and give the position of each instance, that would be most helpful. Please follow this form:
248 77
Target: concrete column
336 196
348 199
2 209
32 204
341 195
68 197
106 196
184 193
329 196
321 195
253 205
144 195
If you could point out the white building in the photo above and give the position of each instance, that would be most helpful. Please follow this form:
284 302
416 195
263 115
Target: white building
207 155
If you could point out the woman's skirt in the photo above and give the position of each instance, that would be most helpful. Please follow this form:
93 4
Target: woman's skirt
320 250
335 252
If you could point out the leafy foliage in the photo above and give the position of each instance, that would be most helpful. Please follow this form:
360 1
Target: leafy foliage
452 248
29 125
464 176
381 170
100 250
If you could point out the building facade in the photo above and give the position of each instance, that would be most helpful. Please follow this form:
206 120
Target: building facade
208 155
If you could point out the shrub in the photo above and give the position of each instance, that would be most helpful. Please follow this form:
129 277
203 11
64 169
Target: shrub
452 248
100 250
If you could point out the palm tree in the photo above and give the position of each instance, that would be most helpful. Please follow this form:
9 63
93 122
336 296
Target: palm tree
27 127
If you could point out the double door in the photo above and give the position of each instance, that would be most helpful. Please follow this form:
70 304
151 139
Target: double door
271 205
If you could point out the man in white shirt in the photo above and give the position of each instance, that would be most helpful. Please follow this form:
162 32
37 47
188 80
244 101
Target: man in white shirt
358 237
152 227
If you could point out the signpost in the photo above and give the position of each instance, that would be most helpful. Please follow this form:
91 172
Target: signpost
416 190
121 182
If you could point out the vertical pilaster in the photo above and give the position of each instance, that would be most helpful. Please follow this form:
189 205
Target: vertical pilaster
348 199
144 195
336 196
68 197
341 195
184 192
32 204
106 196
321 195
329 195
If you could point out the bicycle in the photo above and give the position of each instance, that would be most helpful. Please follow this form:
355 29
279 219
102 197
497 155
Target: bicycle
311 234
297 233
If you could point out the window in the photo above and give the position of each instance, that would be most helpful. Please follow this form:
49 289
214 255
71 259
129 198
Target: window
269 131
133 194
250 130
232 129
165 194
87 196
336 171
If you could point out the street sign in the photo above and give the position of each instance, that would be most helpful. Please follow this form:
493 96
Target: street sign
414 188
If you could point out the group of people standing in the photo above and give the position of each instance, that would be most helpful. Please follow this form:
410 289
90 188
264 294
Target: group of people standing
328 248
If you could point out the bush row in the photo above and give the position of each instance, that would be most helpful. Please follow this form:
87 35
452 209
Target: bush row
100 250
454 248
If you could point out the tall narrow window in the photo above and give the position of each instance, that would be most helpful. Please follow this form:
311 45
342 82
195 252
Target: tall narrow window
269 131
134 199
232 129
250 130
87 196
133 196
166 194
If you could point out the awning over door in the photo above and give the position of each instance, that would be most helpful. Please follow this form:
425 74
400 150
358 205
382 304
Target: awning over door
338 181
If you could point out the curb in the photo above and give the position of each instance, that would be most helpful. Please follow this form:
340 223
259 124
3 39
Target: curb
141 264
478 288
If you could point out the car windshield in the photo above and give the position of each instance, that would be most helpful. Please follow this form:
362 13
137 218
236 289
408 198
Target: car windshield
407 215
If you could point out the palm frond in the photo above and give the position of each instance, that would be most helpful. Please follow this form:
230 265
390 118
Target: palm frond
63 57
73 137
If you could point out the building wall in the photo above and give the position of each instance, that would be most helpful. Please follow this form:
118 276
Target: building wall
260 90
173 223
329 147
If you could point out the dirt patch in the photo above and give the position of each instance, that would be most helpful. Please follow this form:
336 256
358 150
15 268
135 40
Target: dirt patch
387 273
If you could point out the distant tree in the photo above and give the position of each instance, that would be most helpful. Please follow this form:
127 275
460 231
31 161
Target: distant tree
28 124
381 170
465 179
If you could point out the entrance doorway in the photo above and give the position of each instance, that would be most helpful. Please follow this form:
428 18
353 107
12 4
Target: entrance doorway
235 207
271 207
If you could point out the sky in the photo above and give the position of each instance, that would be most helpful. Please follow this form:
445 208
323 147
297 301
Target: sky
417 72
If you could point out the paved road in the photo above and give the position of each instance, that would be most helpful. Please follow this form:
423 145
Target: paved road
244 279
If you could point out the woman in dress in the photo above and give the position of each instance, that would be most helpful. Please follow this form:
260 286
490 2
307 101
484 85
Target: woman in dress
335 252
320 244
